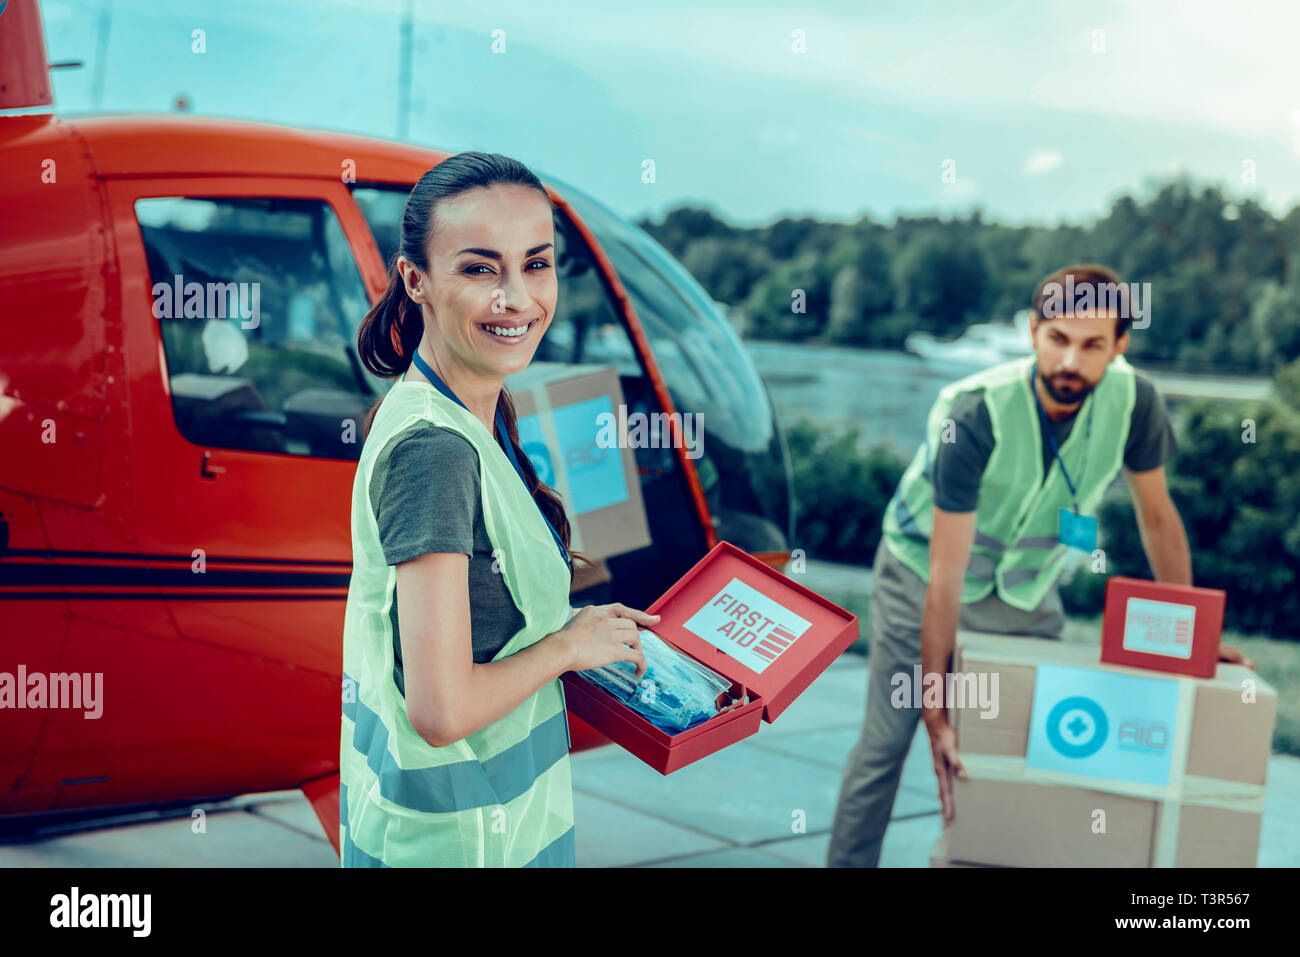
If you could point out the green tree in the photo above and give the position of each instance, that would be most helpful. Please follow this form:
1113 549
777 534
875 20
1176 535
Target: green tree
1275 323
861 292
790 302
726 267
941 280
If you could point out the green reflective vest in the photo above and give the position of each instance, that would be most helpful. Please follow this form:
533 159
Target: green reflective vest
500 796
1015 548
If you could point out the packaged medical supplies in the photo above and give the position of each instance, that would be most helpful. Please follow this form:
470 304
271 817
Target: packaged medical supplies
675 693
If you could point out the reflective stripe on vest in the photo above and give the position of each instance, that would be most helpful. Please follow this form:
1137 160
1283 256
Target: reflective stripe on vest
559 853
501 796
1015 549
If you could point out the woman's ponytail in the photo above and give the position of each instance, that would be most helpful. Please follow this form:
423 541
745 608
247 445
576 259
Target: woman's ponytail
388 335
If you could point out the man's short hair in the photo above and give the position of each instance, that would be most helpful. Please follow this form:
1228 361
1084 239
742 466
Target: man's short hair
1075 289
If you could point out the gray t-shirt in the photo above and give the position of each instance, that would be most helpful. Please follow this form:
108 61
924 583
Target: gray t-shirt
426 496
959 465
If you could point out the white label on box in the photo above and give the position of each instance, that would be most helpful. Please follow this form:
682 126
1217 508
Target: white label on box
747 625
1102 724
1159 627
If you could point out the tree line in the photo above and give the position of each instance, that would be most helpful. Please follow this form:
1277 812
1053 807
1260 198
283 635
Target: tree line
1224 274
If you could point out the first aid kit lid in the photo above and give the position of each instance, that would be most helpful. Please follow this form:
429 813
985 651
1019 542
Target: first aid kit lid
748 622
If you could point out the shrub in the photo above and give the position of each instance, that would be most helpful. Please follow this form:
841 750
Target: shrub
840 491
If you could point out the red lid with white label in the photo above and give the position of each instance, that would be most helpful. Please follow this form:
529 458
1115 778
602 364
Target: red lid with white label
1162 626
750 623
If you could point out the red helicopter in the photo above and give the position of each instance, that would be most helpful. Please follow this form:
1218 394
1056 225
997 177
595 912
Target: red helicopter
174 498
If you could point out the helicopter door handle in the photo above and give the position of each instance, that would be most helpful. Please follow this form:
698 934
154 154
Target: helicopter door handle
210 471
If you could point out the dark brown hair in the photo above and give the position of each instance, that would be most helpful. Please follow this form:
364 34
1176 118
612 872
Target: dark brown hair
1083 276
391 331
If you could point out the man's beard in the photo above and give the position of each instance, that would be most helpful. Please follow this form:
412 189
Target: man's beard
1073 389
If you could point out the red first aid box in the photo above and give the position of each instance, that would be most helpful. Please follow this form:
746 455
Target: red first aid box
771 636
1162 626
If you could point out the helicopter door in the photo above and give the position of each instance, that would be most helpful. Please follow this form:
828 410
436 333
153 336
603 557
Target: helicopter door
241 299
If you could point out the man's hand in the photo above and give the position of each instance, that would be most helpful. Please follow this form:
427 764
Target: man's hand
943 748
950 549
1235 656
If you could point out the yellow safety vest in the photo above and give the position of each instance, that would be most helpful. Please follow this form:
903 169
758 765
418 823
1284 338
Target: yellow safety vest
502 796
1015 548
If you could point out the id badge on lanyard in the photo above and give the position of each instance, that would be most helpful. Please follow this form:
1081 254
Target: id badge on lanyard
1072 529
1077 531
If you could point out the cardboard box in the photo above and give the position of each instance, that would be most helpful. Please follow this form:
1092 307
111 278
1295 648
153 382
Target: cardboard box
560 410
587 576
939 856
771 636
1086 764
1163 627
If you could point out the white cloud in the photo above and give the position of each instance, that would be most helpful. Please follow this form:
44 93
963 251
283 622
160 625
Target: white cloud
1042 161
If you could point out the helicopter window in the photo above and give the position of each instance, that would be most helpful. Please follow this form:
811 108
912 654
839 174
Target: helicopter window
381 207
743 468
691 338
258 300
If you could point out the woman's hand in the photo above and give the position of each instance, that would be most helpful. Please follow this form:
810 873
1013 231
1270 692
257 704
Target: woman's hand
600 635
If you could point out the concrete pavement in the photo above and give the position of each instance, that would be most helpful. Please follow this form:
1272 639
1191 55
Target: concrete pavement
741 807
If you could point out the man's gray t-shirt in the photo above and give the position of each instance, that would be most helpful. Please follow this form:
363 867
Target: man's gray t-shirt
426 496
959 465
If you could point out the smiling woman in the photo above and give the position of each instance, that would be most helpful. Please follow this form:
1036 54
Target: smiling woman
472 294
454 747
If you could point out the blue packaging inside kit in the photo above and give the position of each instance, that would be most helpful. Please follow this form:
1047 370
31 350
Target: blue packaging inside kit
676 692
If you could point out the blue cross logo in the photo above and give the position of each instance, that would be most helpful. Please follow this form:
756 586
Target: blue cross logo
541 456
1077 727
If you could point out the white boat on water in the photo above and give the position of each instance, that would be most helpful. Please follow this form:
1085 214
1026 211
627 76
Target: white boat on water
981 344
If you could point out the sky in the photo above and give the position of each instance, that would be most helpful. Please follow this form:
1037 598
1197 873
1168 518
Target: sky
1032 112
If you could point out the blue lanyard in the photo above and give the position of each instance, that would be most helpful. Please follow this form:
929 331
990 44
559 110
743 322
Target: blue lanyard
1056 449
503 437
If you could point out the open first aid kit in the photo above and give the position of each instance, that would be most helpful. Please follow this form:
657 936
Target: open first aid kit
736 643
1072 762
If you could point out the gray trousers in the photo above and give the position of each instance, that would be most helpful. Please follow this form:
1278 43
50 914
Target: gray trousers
876 763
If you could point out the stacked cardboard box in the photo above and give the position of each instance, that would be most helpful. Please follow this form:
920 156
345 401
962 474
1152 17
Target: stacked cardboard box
1076 763
940 857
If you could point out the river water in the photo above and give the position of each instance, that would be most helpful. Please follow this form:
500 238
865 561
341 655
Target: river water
888 394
